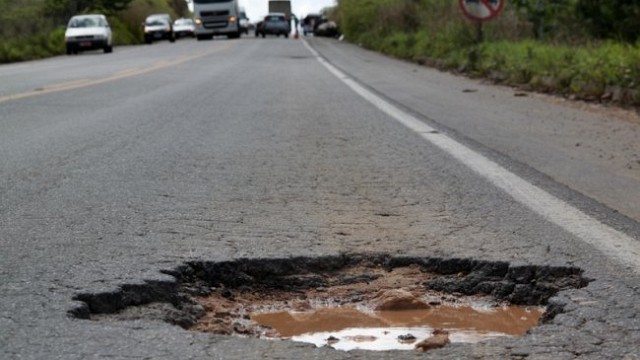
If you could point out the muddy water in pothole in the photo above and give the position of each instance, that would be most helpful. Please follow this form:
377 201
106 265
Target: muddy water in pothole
360 307
349 328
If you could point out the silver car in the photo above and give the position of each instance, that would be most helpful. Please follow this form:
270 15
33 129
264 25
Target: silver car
275 24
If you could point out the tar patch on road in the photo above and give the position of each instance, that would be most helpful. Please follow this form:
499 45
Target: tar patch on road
252 297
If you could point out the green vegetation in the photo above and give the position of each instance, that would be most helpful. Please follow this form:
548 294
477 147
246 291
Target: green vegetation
582 48
33 29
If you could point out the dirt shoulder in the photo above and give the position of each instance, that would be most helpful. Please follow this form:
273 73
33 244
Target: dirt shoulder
590 148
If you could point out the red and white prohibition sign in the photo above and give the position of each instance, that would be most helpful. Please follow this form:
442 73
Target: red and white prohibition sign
481 10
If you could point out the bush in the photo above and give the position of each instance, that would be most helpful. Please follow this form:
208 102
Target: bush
123 34
561 59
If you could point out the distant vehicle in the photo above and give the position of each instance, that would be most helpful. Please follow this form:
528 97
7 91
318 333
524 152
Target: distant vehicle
88 32
274 24
244 21
311 22
216 17
158 27
184 27
328 29
280 6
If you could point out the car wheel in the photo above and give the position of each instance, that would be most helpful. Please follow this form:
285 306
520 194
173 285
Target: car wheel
286 36
69 51
108 49
172 38
264 35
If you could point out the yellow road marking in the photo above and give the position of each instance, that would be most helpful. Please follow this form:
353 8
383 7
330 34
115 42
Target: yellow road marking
127 71
64 85
77 84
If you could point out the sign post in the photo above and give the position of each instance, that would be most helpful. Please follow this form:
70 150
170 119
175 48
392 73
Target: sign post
481 11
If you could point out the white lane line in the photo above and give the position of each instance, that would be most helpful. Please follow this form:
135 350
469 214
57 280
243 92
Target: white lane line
611 242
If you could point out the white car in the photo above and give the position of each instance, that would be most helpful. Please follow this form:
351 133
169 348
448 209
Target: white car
184 27
88 32
158 27
244 21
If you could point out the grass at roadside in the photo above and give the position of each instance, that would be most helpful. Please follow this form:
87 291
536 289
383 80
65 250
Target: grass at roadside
434 32
607 71
32 47
604 71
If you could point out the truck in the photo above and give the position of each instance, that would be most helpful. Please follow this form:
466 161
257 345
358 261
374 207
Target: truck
280 6
216 17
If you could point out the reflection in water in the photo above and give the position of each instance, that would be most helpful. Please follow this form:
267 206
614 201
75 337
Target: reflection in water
384 330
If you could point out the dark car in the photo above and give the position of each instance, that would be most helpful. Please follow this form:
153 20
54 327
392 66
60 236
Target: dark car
258 28
158 27
311 22
274 24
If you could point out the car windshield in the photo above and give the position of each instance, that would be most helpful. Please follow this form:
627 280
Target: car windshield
84 22
210 1
275 18
183 22
156 22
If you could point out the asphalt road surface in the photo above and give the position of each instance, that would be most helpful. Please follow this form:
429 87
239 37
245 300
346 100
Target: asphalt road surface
114 167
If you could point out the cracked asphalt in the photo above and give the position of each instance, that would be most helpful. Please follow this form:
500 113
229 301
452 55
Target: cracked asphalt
251 148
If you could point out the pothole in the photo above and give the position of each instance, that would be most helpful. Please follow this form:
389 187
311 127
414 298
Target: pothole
363 307
371 302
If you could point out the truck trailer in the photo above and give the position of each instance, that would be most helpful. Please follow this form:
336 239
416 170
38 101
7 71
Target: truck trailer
280 6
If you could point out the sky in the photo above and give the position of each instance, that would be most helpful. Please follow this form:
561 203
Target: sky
256 9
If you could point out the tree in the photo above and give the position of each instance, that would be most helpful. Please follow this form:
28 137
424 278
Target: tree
180 7
115 5
61 10
67 8
617 19
545 15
